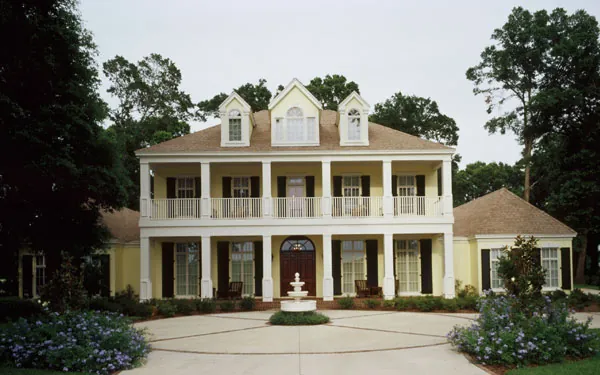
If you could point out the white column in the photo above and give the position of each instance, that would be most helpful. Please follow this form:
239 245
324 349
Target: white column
327 269
447 186
267 281
326 183
144 189
266 190
388 199
145 280
206 287
389 284
205 189
448 265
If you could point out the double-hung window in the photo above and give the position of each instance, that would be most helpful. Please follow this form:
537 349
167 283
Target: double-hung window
185 187
354 125
187 258
550 265
407 189
407 266
40 273
496 280
353 264
295 125
351 192
242 265
235 126
240 187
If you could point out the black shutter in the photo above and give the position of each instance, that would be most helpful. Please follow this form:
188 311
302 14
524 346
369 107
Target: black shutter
199 268
365 182
420 185
565 267
223 268
439 181
171 193
372 275
486 282
104 275
281 186
336 266
395 185
168 265
310 186
537 256
254 187
426 272
27 267
337 186
151 187
258 268
226 187
197 187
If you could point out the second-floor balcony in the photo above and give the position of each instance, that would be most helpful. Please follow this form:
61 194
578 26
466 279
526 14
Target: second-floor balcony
293 208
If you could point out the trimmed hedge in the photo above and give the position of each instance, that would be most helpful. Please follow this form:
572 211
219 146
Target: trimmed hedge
284 318
13 308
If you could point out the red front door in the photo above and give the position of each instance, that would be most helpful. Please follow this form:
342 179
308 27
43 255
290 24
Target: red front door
302 262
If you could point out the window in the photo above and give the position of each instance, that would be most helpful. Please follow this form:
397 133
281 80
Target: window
187 269
353 264
295 125
550 265
240 187
296 128
497 282
185 187
279 129
40 273
311 129
351 186
242 265
297 244
407 266
407 186
235 126
353 125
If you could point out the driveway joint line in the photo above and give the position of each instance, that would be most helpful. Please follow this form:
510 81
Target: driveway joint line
386 331
208 334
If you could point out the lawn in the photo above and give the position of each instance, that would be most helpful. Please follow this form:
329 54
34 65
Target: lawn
586 286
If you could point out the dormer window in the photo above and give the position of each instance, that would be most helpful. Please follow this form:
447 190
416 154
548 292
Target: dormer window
295 124
354 125
235 125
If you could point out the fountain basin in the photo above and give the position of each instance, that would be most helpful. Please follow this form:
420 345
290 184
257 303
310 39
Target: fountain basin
298 306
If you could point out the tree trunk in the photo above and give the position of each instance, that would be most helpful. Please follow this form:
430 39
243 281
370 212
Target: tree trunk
580 272
527 157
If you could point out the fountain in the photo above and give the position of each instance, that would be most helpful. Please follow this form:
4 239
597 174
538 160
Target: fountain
297 305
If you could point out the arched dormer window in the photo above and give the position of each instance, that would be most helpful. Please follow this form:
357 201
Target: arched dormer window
298 127
235 125
354 125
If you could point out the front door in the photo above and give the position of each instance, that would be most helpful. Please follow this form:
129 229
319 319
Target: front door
295 193
298 255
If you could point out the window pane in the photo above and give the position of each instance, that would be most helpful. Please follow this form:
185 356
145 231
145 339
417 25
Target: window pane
279 129
242 265
354 128
311 128
295 129
235 129
407 266
353 264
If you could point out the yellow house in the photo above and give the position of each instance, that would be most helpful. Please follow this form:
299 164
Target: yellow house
346 203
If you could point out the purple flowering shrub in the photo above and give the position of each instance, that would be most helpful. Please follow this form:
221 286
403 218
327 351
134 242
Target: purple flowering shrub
505 335
78 341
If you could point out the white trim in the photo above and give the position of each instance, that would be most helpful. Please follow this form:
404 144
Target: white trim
294 83
230 98
444 153
353 95
511 237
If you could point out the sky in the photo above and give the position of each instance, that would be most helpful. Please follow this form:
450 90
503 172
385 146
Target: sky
417 47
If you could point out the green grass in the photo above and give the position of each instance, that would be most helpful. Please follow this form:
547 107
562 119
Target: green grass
28 371
283 318
587 286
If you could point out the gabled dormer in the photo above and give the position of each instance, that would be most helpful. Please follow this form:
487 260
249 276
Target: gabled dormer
295 115
236 121
354 121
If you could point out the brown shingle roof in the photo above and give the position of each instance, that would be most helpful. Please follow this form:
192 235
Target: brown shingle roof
380 138
123 225
502 212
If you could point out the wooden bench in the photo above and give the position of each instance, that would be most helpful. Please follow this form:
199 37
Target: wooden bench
362 289
234 290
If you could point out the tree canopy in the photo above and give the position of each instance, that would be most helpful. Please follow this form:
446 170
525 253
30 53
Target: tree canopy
257 96
331 90
479 178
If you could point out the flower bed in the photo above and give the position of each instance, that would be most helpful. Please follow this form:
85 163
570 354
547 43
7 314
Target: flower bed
84 341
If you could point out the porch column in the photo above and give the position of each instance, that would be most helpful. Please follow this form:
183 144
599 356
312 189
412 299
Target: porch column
205 190
206 287
326 183
389 285
448 265
266 191
267 281
447 187
327 269
145 189
388 199
145 280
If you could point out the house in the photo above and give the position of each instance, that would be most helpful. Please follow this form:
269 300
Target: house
327 194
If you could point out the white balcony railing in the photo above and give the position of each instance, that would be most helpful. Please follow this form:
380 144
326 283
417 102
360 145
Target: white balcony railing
418 206
236 208
180 208
357 207
297 207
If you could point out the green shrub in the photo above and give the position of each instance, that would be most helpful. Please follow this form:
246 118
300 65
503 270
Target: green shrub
372 303
65 290
403 303
558 295
166 308
122 306
184 306
389 303
467 303
227 306
346 303
136 308
298 318
247 304
206 305
90 342
578 299
105 304
450 305
428 303
13 308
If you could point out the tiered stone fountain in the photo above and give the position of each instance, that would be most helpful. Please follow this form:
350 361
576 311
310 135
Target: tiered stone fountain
297 305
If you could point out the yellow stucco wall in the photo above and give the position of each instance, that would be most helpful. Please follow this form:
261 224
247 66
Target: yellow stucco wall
462 261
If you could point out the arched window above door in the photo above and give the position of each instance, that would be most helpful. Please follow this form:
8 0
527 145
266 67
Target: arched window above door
300 243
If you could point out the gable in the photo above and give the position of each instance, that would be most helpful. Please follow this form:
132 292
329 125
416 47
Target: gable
295 97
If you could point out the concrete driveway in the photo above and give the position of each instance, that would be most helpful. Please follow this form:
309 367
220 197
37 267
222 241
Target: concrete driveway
355 342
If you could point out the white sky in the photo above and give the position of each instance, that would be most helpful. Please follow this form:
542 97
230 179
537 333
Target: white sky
421 48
